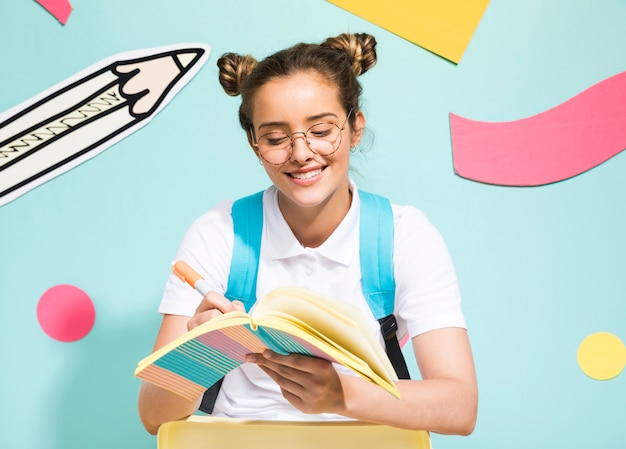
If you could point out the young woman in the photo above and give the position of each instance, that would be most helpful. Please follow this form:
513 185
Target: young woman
300 110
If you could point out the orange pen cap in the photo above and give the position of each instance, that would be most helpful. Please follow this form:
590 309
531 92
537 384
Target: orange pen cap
185 273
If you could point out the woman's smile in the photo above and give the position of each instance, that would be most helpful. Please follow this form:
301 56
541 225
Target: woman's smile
306 177
306 174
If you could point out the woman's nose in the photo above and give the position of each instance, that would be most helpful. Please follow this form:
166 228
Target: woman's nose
300 151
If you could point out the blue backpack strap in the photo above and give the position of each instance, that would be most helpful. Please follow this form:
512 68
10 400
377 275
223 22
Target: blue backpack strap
377 279
247 216
376 253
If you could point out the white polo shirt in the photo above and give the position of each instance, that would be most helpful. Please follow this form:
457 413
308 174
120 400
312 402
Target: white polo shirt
427 294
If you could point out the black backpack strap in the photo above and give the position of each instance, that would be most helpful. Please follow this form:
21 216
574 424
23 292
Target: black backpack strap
389 328
210 396
379 287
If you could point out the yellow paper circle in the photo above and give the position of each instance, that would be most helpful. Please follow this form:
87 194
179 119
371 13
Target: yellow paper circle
602 356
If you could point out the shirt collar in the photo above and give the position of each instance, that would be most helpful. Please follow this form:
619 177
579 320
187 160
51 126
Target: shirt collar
282 243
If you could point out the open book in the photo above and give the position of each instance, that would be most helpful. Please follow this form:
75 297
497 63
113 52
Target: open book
288 320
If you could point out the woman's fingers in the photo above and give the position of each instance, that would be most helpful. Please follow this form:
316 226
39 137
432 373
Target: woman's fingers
214 300
211 306
310 384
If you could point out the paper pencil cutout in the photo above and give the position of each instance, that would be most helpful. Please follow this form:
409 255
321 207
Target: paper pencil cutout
444 27
552 146
60 9
85 114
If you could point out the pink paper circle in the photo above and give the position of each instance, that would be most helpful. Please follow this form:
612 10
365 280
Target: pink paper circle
66 313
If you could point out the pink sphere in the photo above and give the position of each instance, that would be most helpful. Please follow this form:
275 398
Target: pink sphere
66 313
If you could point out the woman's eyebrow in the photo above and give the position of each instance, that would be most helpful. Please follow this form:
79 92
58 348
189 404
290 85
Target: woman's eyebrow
268 124
310 118
321 116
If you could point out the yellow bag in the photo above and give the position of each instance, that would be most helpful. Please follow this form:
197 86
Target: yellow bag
205 432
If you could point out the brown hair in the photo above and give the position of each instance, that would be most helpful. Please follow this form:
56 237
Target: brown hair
339 59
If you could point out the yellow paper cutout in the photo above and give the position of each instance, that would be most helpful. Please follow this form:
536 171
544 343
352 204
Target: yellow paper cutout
444 27
602 356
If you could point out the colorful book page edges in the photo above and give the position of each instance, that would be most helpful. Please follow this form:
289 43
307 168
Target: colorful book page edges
552 146
444 27
199 363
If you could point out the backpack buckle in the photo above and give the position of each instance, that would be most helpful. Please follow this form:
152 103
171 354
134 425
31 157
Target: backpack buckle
388 326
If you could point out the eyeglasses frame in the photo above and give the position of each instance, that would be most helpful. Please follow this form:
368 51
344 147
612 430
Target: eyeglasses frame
304 134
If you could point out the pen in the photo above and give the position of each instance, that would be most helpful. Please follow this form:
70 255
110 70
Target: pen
187 274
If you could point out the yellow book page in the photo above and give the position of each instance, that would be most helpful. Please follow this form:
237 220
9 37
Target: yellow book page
309 330
349 360
337 321
373 370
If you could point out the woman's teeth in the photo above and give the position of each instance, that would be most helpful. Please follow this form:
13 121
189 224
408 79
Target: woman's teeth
307 175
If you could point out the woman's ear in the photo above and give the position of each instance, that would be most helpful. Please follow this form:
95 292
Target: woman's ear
357 129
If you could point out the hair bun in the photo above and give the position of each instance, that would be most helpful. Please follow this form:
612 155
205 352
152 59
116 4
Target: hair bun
360 47
234 69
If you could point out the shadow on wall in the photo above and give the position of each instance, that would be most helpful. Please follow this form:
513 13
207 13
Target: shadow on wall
97 405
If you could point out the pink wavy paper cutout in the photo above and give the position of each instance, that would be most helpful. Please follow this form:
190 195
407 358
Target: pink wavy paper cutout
554 145
61 9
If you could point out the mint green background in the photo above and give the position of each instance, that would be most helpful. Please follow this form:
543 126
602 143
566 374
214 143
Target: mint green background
540 268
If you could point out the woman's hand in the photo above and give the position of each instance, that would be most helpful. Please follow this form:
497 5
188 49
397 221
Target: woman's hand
310 384
213 305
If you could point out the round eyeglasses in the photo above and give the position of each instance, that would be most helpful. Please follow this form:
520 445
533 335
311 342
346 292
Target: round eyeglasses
324 138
